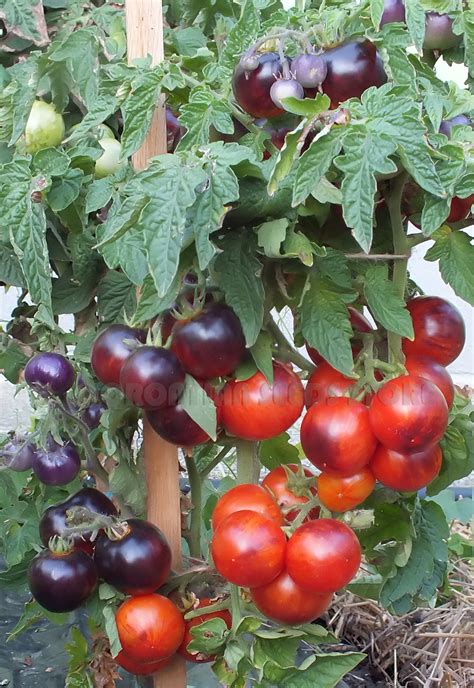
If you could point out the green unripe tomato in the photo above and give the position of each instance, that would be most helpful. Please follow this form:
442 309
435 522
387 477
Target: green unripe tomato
105 132
44 128
108 163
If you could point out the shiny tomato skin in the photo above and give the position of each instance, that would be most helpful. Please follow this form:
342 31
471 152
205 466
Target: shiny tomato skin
246 497
152 377
211 344
323 556
252 89
276 482
393 11
248 549
109 352
150 628
140 668
460 208
408 414
288 603
255 410
336 436
352 68
433 371
138 563
360 324
341 494
439 329
325 383
198 658
406 472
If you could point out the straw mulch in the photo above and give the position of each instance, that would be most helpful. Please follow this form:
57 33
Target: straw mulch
426 648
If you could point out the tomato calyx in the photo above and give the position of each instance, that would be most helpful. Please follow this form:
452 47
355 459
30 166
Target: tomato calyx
299 483
60 546
81 520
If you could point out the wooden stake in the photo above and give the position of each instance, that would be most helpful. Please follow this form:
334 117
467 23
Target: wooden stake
145 37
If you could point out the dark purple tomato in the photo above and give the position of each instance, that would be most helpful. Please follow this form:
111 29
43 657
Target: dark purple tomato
174 130
53 520
18 454
92 414
439 33
49 373
310 70
136 564
285 88
393 11
448 124
62 582
152 378
56 465
211 344
252 89
351 69
110 351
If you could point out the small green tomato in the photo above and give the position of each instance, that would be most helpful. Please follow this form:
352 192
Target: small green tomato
44 128
109 161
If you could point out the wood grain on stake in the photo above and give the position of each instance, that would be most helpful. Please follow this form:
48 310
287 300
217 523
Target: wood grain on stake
145 37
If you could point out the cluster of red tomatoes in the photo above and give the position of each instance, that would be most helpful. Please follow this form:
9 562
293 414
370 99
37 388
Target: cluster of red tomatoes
290 580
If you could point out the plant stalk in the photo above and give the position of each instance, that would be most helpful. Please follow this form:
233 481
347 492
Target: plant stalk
194 539
284 345
246 462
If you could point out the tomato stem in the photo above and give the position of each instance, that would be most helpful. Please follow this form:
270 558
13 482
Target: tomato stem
285 350
248 469
236 608
216 607
194 539
215 462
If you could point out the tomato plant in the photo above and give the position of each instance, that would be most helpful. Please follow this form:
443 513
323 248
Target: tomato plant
263 264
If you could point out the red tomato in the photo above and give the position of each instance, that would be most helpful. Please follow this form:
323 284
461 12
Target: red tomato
345 493
323 556
460 208
255 410
285 601
197 657
337 437
140 668
439 330
276 482
406 472
248 549
408 414
359 323
150 628
246 498
434 372
324 383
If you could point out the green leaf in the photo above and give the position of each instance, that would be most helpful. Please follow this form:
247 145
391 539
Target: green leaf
325 672
458 455
70 295
307 107
51 162
188 40
19 540
126 482
376 11
385 304
99 194
297 245
138 109
111 630
241 35
116 297
12 359
128 253
416 19
199 406
122 217
325 324
435 211
240 278
149 305
25 18
285 158
314 164
277 451
262 355
271 236
455 252
32 614
203 111
208 636
80 51
78 650
65 190
10 268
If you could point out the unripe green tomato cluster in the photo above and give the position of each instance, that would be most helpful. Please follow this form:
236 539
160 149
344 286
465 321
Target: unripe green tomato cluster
44 128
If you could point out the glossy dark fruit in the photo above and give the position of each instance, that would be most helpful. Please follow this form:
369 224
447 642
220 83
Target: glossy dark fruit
53 520
286 602
18 454
49 373
460 208
57 464
110 351
439 330
285 88
198 657
255 410
439 33
152 378
360 325
447 125
339 493
136 564
140 668
310 70
174 424
393 11
211 344
92 414
323 556
62 582
408 414
248 549
252 89
351 69
406 472
336 436
433 371
246 497
150 628
174 131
